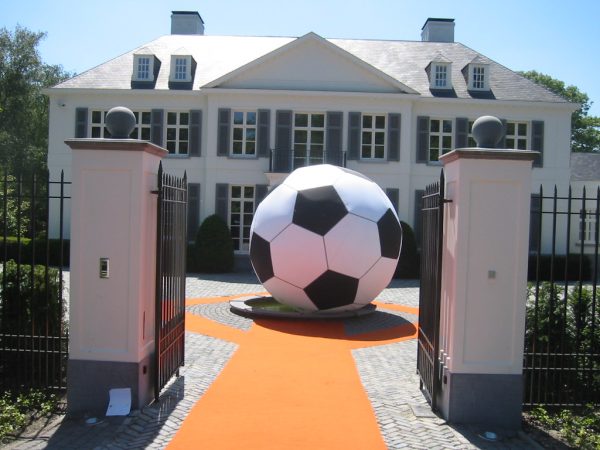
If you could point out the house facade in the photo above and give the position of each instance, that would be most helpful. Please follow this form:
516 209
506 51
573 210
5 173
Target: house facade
237 114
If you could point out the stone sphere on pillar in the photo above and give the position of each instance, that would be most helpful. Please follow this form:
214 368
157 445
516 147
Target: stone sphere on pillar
487 131
120 122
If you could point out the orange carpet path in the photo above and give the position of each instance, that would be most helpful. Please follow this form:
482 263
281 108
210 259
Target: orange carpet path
289 385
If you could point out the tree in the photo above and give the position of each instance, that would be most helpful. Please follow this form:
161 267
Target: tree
214 248
585 129
23 106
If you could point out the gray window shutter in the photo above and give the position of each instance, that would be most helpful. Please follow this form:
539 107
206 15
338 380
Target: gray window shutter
534 222
81 123
461 132
156 133
354 128
393 136
195 133
193 219
222 201
262 132
223 131
422 139
394 196
418 218
537 141
333 142
260 192
282 160
502 143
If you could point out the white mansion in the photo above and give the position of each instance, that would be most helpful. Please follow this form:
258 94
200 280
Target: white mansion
238 113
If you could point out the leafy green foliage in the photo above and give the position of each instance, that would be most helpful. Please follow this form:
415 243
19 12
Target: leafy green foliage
213 250
581 430
23 106
585 129
16 410
30 299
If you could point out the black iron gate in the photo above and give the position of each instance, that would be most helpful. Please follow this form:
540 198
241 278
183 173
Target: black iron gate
170 277
428 363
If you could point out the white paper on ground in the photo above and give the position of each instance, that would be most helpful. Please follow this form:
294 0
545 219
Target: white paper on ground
119 403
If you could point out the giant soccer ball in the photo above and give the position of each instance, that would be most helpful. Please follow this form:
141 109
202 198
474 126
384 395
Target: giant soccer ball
326 239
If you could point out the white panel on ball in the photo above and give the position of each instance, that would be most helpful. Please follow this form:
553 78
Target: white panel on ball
294 296
352 258
361 197
369 285
298 256
273 216
313 176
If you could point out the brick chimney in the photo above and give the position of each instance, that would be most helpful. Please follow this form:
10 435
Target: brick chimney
438 30
186 22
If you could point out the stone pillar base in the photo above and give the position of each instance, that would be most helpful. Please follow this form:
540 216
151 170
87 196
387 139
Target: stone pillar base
89 382
490 400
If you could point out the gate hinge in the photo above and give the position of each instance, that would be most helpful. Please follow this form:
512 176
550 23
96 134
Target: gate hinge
446 200
155 192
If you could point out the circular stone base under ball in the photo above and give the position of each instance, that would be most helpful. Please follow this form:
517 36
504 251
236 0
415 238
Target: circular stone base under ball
267 306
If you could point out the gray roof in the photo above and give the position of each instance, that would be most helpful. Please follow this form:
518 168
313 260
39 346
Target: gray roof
585 166
404 61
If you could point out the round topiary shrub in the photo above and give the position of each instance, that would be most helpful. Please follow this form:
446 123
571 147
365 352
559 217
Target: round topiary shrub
213 250
408 263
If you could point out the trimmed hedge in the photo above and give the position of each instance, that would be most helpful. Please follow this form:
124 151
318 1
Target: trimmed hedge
409 262
213 250
26 247
573 261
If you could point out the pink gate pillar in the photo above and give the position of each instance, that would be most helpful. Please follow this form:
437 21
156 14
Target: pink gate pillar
484 278
113 254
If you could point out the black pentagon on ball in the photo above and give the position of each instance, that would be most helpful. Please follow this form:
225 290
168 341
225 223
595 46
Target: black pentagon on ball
390 235
260 256
318 209
332 289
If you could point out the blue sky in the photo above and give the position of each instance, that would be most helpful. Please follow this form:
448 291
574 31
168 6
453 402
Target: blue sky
561 39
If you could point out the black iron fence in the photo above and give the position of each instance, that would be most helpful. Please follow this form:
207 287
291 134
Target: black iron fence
33 327
170 277
428 358
562 341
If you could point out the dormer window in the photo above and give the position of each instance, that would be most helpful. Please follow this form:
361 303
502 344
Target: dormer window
143 68
181 68
479 77
440 76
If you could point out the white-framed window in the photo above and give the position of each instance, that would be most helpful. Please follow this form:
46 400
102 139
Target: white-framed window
440 137
241 213
440 76
373 136
309 139
177 132
243 133
143 68
181 68
587 226
98 130
479 77
517 135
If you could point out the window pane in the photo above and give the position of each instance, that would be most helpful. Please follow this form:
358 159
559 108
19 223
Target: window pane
510 128
379 151
447 126
510 143
146 118
145 134
236 191
183 148
367 121
379 138
250 148
522 129
447 143
183 134
300 136
251 118
380 122
96 117
184 118
317 120
522 144
248 207
95 132
235 231
317 137
366 151
237 148
316 151
238 118
301 120
434 141
172 118
434 126
246 231
171 134
250 134
300 150
171 147
235 207
248 192
366 137
238 134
